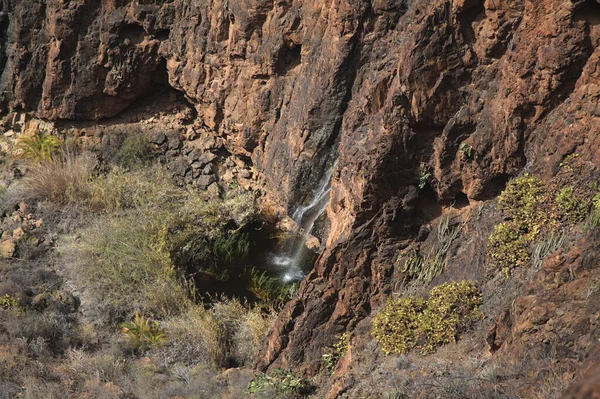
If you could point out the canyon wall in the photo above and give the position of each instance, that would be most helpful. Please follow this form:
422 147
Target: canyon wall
464 93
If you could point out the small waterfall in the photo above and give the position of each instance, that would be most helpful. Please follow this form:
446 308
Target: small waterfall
305 216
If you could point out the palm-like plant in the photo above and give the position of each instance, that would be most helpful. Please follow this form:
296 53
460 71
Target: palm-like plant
40 147
142 333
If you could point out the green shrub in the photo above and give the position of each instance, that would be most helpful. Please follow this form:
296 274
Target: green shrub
270 291
508 247
522 200
466 151
573 208
451 309
532 209
526 202
8 302
397 326
281 382
340 348
41 147
143 334
423 176
409 323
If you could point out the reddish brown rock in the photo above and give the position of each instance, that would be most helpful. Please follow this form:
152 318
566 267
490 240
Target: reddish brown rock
588 387
461 94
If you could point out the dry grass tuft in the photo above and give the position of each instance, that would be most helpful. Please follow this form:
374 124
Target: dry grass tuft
65 182
228 333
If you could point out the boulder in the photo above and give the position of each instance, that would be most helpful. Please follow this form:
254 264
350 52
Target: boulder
7 248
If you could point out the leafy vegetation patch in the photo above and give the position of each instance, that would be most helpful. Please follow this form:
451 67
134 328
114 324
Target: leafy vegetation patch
523 201
532 210
508 246
143 334
40 147
572 207
413 323
280 382
270 291
8 302
340 348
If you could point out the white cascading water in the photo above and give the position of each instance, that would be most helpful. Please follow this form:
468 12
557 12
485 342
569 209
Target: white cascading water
305 217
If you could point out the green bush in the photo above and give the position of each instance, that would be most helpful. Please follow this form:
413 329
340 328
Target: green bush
270 291
397 327
409 323
573 208
451 309
532 210
279 382
508 247
526 202
41 147
522 200
8 302
143 334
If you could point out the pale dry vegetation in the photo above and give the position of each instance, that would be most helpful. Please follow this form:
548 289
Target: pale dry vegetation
133 259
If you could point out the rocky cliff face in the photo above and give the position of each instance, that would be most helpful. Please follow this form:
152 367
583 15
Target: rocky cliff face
462 93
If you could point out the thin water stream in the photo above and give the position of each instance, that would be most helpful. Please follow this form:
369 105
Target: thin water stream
291 259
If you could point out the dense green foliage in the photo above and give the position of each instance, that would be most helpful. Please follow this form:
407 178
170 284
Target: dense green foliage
280 381
507 246
409 323
572 207
522 199
8 302
533 209
41 147
143 334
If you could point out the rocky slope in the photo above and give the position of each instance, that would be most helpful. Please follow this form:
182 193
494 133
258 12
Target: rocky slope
463 93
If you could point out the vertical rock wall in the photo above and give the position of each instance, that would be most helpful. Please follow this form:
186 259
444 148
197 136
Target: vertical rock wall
469 91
